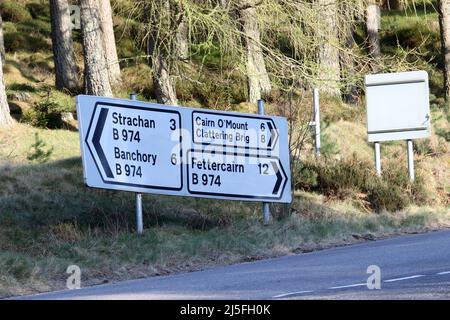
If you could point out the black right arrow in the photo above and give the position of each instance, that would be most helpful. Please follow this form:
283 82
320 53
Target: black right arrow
96 141
279 178
269 143
273 135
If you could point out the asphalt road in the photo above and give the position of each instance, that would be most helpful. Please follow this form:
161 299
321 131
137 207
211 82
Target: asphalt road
412 267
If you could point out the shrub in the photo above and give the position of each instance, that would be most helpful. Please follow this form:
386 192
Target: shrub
47 113
18 266
306 178
39 151
328 145
384 195
356 180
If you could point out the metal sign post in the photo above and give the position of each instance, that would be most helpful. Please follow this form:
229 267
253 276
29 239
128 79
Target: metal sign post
378 158
316 120
266 208
409 143
139 218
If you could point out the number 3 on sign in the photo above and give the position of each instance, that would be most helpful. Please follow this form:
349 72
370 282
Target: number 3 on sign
173 124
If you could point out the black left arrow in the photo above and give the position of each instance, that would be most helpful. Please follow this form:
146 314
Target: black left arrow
96 141
279 178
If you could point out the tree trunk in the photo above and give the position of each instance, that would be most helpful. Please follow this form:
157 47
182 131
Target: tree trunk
96 77
328 53
347 63
394 4
163 85
5 117
258 79
63 56
444 22
2 43
372 27
159 46
182 34
109 41
182 45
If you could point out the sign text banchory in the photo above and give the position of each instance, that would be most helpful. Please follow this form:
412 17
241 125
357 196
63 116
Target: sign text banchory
146 147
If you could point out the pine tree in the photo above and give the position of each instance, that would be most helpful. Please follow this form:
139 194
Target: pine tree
96 76
109 41
63 56
258 79
5 117
444 22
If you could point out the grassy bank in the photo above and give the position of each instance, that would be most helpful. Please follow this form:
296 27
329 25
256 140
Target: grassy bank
50 220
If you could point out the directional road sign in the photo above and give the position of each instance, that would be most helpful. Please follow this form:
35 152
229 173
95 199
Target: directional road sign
236 175
145 147
227 130
130 147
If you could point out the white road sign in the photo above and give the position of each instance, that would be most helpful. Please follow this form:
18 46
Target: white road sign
221 129
145 147
236 175
130 145
397 106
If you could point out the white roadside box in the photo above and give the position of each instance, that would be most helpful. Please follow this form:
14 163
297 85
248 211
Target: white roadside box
398 108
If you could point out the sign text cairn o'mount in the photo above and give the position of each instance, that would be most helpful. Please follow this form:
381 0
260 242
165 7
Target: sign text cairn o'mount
228 130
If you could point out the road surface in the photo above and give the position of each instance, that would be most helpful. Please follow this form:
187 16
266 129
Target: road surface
412 267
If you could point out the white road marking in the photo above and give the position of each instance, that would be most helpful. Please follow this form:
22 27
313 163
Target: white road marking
350 286
405 278
443 272
291 294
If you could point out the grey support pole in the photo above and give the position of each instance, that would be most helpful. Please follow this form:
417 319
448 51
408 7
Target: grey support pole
316 120
266 209
378 158
139 219
410 159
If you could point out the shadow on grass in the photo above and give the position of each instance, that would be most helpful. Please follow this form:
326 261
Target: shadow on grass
44 195
16 65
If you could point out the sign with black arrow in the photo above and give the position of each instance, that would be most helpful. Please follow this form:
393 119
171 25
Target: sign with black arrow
145 147
129 146
235 175
221 129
